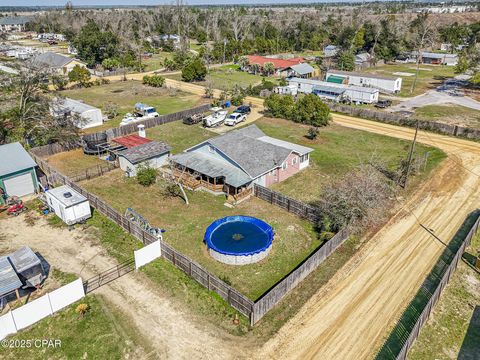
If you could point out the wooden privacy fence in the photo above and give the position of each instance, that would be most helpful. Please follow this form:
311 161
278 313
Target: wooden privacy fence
402 120
94 171
291 205
403 336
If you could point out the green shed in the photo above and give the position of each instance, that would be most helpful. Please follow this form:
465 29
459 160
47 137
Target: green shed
336 79
18 176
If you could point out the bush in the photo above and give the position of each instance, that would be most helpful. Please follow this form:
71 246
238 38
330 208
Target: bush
146 175
79 75
154 80
312 132
195 70
59 82
237 100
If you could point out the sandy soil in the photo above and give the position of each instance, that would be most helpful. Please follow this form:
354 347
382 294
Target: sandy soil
172 333
352 315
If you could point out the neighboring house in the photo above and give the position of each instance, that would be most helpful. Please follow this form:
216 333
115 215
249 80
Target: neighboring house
90 116
438 59
153 153
13 23
303 70
283 67
330 51
286 90
233 162
58 63
384 83
18 176
336 92
51 36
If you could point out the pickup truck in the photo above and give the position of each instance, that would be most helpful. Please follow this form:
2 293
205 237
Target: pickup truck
141 112
235 118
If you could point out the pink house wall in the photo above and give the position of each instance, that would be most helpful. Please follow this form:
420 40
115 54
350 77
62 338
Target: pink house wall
279 174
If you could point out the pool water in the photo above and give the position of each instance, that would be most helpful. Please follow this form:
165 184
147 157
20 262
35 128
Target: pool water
239 237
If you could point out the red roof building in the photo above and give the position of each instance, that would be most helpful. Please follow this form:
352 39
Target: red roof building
277 63
131 141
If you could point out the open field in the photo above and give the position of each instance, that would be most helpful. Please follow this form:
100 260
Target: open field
337 150
429 76
450 114
294 240
73 162
125 94
226 77
156 61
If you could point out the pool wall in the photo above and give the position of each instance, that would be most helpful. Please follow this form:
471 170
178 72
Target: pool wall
231 258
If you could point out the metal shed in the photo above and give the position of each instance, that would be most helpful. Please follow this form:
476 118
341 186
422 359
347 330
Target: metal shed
9 280
28 266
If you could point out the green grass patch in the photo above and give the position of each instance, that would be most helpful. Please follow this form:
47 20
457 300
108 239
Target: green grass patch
337 150
156 61
125 94
450 114
102 333
73 162
429 76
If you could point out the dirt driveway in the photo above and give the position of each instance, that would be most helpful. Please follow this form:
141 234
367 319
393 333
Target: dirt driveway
172 333
350 317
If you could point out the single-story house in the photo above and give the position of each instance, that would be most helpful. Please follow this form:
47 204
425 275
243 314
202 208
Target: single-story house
303 70
384 83
336 92
13 23
330 51
233 162
90 116
153 153
283 67
439 59
18 176
58 63
286 90
363 59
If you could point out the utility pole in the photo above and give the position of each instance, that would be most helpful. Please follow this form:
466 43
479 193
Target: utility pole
410 156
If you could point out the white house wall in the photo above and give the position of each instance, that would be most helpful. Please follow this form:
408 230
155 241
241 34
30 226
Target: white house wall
131 169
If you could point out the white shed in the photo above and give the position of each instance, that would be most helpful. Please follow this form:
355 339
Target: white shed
68 205
388 84
154 154
90 115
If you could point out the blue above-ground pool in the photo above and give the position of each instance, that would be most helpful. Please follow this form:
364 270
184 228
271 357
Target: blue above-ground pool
239 240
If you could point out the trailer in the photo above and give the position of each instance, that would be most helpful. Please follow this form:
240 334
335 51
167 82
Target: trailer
68 205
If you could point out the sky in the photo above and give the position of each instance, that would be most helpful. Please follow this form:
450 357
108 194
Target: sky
151 2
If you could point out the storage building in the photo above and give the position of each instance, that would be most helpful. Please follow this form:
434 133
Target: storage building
18 175
388 84
90 116
28 266
153 153
68 205
336 92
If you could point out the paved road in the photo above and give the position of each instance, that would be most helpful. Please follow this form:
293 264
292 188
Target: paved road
352 314
449 92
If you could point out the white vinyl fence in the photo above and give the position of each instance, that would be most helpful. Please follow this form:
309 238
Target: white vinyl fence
40 308
147 254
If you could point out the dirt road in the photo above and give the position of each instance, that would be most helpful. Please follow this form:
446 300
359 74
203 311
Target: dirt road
350 317
169 330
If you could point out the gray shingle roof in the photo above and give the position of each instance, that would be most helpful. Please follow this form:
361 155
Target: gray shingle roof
254 156
212 167
146 151
9 280
14 158
302 150
51 60
302 69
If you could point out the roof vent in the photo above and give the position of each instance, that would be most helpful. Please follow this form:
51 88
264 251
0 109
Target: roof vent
67 195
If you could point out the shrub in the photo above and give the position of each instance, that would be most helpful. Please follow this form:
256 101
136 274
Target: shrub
146 175
312 132
79 75
59 82
195 70
82 309
154 80
237 100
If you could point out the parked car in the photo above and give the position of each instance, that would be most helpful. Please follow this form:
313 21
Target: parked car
382 104
194 119
235 118
244 109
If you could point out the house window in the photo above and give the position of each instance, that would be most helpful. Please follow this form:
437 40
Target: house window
294 160
304 158
284 166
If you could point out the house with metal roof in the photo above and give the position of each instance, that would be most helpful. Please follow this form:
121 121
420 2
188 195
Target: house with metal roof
13 23
438 58
336 92
384 83
283 67
58 63
18 176
233 162
153 153
87 116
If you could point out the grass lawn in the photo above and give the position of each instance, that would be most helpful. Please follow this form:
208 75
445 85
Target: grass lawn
103 333
337 150
226 77
295 239
429 76
72 162
450 114
125 94
156 61
453 329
